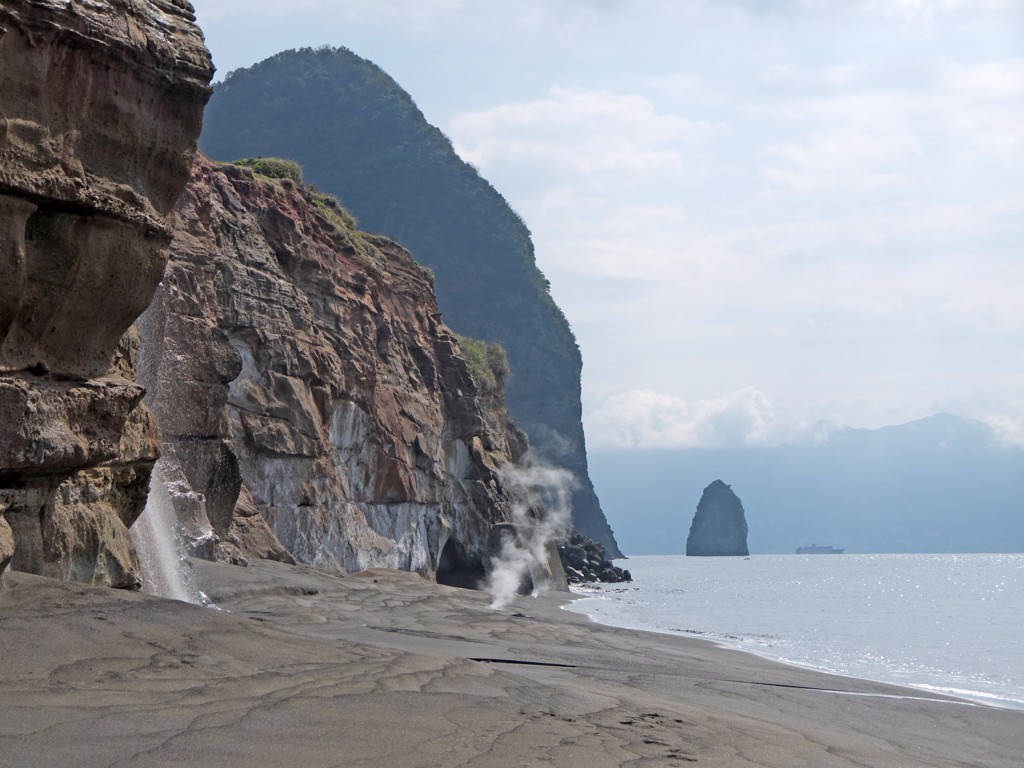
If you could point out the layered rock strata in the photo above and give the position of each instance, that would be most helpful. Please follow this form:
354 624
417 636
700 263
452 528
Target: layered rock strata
100 108
719 525
312 402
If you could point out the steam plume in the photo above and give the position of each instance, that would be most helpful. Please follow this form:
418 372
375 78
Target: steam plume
542 512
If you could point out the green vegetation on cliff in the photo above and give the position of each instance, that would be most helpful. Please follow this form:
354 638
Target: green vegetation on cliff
488 362
359 136
332 210
273 167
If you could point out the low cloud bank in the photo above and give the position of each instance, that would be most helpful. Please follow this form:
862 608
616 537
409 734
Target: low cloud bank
644 419
1008 431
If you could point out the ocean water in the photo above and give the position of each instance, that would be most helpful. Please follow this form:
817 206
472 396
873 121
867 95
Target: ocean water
947 623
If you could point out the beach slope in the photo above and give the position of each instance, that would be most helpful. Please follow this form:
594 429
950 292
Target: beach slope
385 669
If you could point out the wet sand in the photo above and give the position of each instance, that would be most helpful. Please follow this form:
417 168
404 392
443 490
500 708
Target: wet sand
386 669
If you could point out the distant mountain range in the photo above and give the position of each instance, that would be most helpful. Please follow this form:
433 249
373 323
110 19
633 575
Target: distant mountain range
939 484
360 136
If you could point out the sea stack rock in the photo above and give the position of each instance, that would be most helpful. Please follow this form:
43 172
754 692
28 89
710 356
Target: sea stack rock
100 108
719 527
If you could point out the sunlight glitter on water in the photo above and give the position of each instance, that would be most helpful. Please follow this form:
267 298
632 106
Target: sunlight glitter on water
948 623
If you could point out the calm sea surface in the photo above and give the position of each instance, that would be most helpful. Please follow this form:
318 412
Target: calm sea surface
950 623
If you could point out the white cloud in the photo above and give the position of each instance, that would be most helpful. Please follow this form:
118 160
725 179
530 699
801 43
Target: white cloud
999 80
817 198
984 108
1007 429
590 132
927 12
645 419
849 220
860 158
351 10
884 125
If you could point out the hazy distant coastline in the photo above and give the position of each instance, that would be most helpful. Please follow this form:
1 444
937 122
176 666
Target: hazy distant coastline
941 484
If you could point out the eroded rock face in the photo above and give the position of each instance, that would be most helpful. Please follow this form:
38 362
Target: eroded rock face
719 526
312 401
100 109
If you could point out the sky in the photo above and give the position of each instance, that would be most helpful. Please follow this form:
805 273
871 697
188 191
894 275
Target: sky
759 217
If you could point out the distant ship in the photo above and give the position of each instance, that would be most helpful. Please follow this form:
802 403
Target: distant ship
814 549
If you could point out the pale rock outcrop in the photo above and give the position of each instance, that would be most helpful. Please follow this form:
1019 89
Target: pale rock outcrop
6 544
100 109
719 526
312 402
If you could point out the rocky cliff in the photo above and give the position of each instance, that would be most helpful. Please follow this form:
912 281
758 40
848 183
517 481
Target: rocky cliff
312 402
100 109
719 526
361 137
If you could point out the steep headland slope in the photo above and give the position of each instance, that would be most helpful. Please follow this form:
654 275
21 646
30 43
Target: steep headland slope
100 108
361 137
312 401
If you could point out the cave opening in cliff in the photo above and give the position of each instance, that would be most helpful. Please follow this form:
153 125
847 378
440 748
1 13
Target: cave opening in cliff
457 569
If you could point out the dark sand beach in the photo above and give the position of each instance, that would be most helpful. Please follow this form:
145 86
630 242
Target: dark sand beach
385 669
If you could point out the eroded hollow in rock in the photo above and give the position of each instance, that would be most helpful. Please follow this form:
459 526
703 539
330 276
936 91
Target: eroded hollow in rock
457 569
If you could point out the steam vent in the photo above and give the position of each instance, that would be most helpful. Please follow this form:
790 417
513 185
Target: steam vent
719 527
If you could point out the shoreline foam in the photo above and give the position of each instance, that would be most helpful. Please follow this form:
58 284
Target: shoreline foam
957 695
769 646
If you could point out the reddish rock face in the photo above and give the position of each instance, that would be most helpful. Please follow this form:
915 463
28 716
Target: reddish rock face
312 401
100 110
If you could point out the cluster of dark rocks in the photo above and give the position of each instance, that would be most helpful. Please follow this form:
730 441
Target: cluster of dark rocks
584 561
